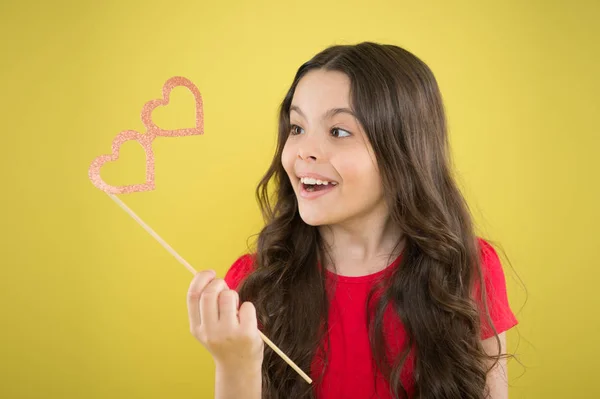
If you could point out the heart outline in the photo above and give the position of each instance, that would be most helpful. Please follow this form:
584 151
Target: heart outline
151 105
145 140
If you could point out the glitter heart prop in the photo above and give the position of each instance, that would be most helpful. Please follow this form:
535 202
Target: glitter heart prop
151 105
145 140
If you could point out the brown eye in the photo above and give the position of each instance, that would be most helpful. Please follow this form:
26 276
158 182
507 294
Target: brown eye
337 132
295 130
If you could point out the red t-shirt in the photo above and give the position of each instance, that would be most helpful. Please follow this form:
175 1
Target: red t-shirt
349 374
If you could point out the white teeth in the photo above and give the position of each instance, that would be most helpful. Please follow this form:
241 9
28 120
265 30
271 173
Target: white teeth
309 180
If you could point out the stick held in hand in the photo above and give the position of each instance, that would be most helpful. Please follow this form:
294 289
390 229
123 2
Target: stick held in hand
193 271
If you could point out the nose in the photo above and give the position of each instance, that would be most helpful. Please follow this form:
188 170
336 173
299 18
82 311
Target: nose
306 158
310 150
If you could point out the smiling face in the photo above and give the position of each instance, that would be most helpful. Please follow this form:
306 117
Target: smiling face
327 144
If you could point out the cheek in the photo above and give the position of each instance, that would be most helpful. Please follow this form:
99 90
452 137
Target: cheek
358 171
288 158
361 183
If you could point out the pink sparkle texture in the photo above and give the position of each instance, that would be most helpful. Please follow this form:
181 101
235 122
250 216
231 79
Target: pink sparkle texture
146 139
153 104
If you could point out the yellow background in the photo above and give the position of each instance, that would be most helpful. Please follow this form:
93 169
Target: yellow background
92 307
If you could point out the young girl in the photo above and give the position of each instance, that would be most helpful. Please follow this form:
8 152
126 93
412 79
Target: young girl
367 273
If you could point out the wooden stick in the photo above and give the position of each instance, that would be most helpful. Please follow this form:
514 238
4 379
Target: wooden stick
152 233
284 357
191 269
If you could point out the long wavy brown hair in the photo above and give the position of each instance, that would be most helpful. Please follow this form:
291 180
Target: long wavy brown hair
398 103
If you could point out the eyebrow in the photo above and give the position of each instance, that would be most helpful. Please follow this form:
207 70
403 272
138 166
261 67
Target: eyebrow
329 114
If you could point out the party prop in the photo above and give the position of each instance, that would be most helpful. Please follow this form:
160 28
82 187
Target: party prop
145 140
153 104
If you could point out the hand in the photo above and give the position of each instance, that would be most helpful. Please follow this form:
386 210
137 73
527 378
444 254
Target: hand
228 333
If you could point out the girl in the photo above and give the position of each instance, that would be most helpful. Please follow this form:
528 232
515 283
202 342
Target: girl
367 273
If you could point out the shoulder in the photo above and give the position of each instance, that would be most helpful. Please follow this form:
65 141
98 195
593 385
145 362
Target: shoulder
239 270
491 266
495 300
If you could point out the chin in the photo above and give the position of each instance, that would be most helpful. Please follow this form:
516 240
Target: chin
315 219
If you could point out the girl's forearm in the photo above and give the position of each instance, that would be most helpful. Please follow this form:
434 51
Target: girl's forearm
238 383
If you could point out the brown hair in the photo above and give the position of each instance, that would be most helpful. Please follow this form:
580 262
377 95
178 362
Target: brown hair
398 103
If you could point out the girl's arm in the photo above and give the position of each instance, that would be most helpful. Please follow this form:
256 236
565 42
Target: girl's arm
497 378
238 383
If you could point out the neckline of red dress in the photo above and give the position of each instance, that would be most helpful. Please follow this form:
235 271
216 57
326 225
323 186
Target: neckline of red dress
365 278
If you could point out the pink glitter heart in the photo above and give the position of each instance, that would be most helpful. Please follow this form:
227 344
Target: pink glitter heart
145 141
153 104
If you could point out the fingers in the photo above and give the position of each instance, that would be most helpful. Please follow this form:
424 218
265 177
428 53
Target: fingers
228 300
198 284
215 316
209 306
247 314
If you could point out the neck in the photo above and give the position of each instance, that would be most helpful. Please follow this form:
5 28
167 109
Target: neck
363 245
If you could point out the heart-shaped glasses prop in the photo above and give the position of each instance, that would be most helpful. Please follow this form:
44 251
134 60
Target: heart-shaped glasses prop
145 140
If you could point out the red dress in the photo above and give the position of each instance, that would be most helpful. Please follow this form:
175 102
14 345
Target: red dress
350 371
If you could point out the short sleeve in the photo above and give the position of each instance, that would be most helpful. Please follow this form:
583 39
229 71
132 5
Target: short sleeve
240 269
496 296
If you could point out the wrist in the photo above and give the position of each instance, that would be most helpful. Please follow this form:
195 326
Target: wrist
238 369
239 380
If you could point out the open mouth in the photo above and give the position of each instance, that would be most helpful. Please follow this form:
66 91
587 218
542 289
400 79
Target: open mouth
312 185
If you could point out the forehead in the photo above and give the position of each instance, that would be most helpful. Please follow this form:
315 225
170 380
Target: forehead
320 90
